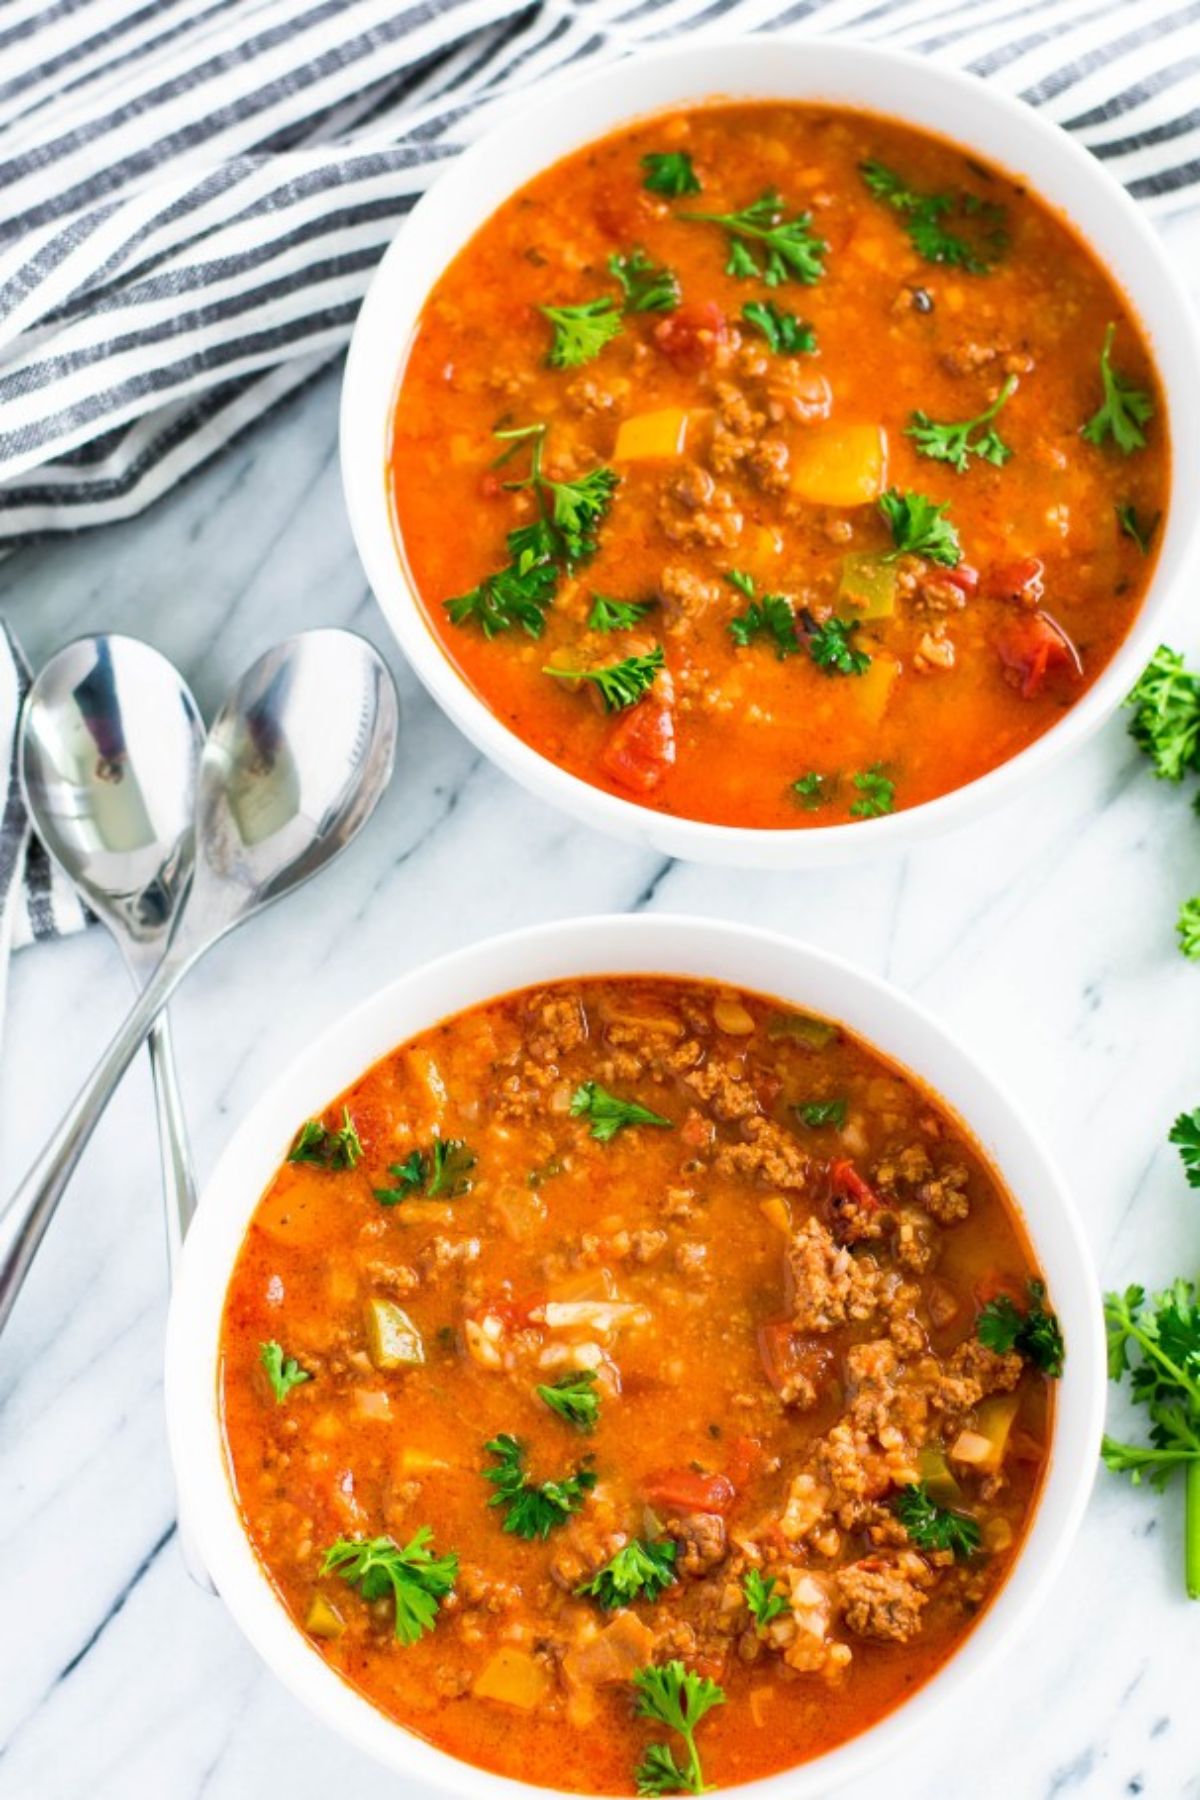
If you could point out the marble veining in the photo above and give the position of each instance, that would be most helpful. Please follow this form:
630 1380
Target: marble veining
1042 936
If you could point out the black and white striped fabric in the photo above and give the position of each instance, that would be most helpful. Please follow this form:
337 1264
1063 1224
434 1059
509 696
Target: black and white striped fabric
196 193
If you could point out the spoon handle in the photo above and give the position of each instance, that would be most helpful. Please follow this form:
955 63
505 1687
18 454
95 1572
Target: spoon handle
179 1181
179 1203
29 1211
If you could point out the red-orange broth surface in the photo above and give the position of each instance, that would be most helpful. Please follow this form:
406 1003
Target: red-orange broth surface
738 463
774 1300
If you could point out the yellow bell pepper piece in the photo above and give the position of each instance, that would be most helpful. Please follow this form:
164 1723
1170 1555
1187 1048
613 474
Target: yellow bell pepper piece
652 436
840 465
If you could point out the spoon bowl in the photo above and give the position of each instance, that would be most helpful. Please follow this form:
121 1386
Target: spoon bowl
110 745
294 763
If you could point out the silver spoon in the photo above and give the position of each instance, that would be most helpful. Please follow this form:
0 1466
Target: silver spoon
110 746
294 765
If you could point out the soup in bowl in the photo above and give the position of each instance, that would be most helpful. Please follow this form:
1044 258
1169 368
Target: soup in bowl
638 1375
768 468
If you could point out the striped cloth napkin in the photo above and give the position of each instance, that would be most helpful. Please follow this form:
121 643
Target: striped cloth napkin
197 191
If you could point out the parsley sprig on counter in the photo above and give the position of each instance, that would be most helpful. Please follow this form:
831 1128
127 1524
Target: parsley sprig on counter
619 684
574 1398
669 172
1165 703
926 218
784 249
443 1172
1156 1342
417 1580
933 1527
1123 410
608 1114
646 286
1185 1135
325 1149
954 444
581 332
532 1509
920 527
283 1372
1035 1332
561 537
678 1698
643 1570
785 333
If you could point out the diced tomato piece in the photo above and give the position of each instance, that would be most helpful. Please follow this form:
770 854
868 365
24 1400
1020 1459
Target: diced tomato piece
1033 646
490 484
1021 582
683 1490
845 1180
789 1359
963 576
641 746
745 1454
691 337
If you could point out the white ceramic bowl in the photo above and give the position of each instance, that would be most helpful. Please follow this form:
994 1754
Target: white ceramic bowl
758 960
547 126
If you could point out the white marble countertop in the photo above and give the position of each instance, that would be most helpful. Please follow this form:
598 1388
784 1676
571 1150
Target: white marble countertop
1042 936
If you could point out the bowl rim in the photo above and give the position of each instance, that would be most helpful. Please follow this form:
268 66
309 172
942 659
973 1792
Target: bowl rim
719 952
574 111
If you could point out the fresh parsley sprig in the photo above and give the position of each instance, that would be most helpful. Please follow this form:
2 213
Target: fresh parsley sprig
642 1570
560 538
616 615
920 527
1165 702
954 444
785 333
441 1172
771 617
608 1114
574 1398
532 1509
417 1580
283 1372
813 790
620 684
1034 1333
925 218
876 793
786 249
1123 410
669 172
831 648
1156 1342
933 1527
678 1698
646 286
1140 530
326 1149
817 1114
1185 1135
760 1596
581 332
